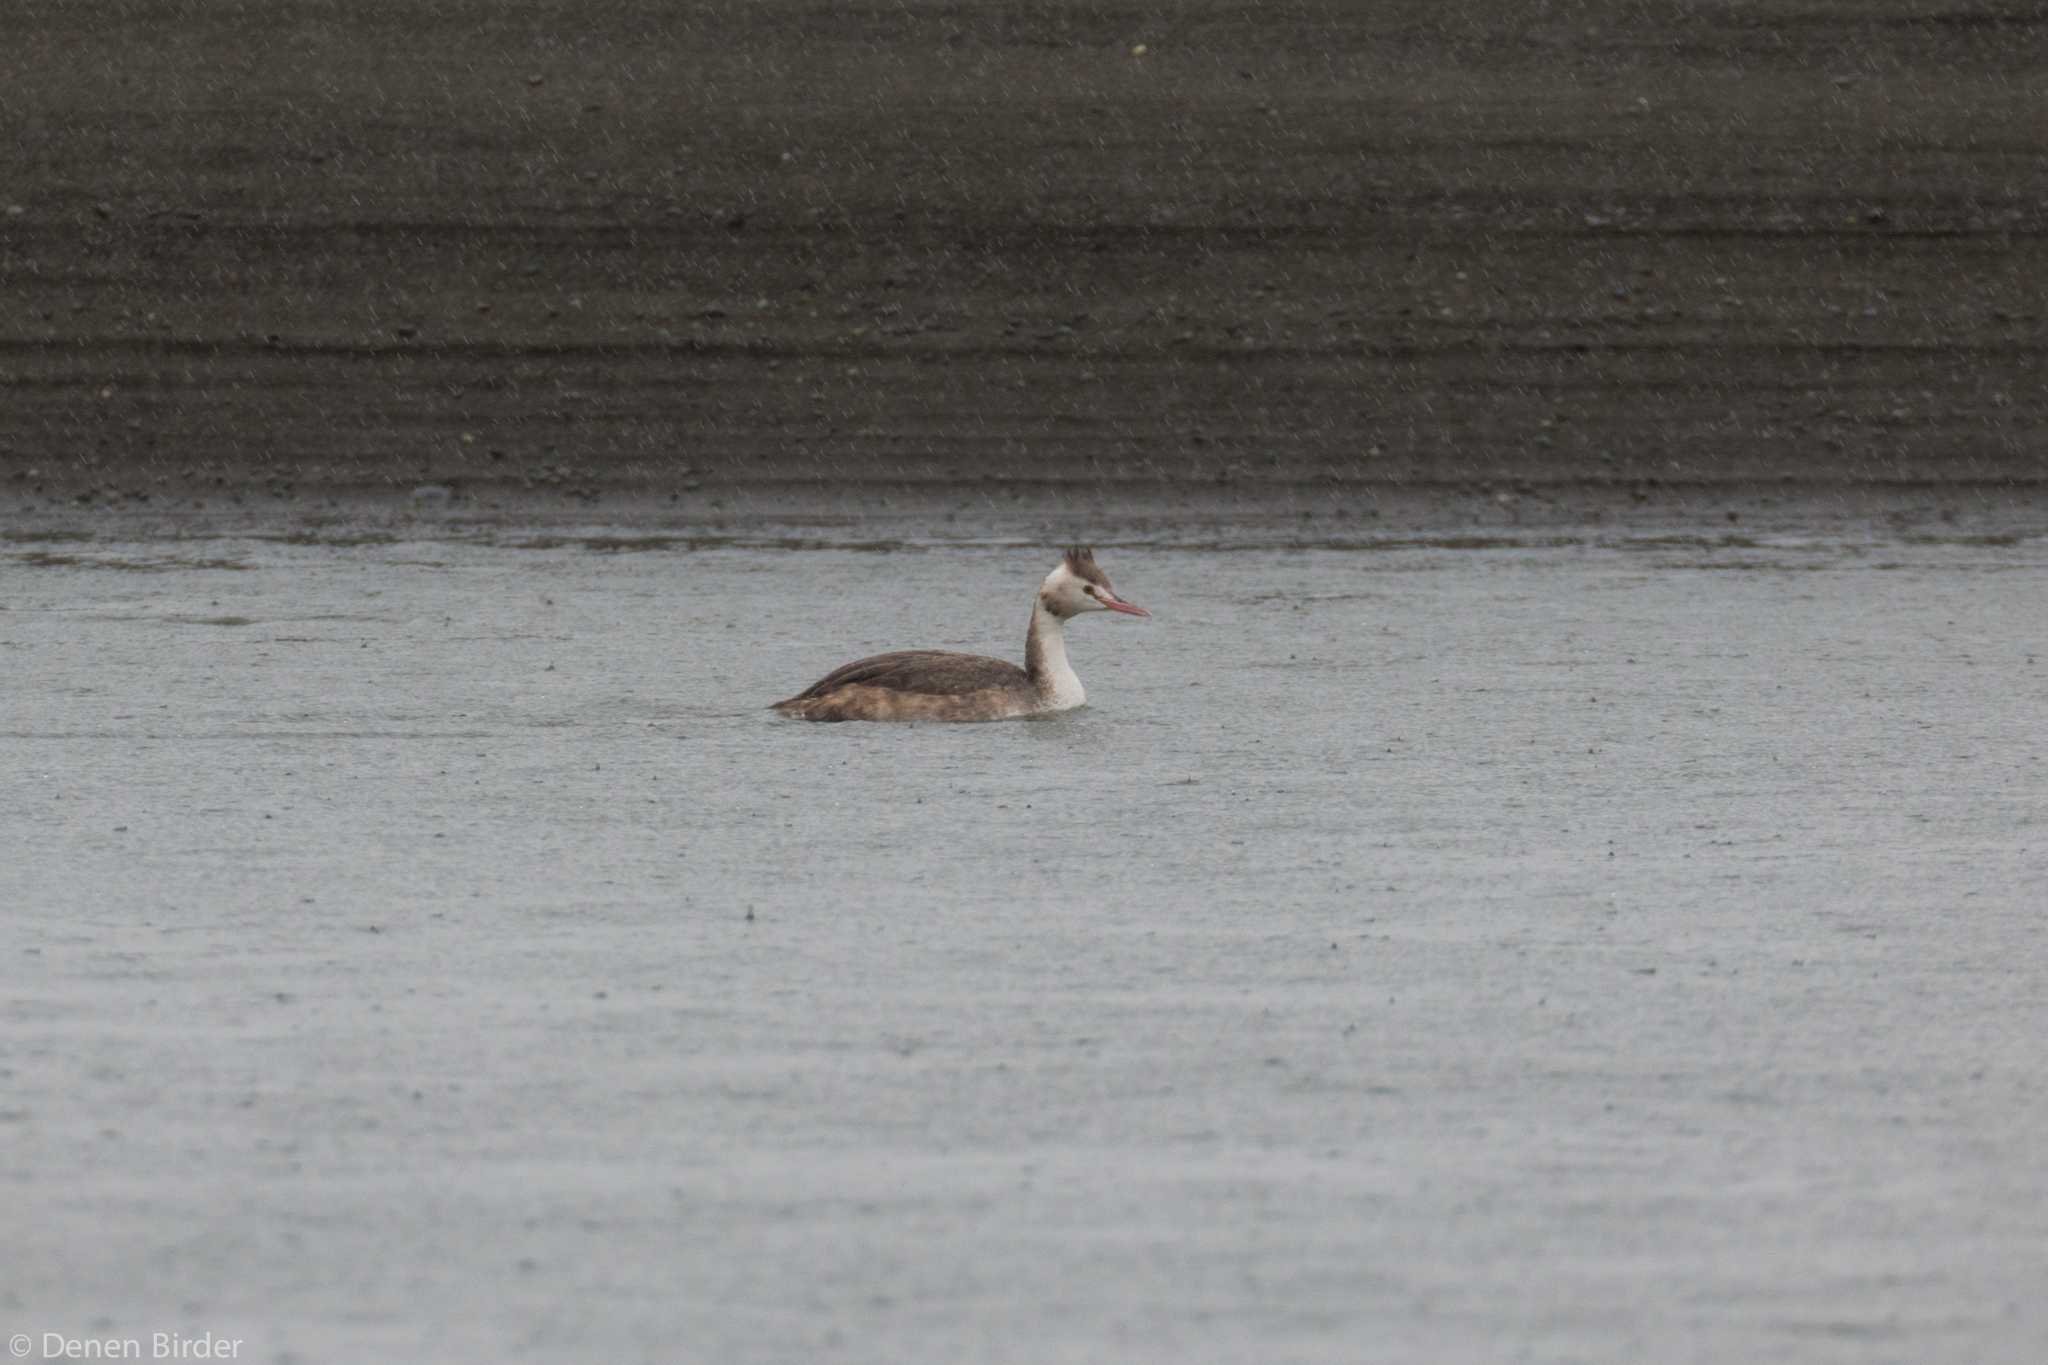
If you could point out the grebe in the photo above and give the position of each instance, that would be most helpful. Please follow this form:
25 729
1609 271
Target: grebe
929 684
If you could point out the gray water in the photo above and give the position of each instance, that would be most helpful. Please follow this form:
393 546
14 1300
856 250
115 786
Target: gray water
1581 948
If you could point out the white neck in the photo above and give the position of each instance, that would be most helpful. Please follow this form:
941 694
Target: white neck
1045 657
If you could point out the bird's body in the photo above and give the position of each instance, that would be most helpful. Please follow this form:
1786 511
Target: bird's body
930 684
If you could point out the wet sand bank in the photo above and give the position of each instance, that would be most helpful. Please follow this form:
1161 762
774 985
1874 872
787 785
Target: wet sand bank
597 247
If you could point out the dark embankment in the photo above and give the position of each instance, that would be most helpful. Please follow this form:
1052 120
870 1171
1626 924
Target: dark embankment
302 245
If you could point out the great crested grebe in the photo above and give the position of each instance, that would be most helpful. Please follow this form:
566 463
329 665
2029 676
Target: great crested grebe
930 684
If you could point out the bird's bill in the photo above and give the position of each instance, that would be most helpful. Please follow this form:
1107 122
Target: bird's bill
1115 603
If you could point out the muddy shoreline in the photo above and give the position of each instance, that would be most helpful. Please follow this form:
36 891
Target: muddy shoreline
597 249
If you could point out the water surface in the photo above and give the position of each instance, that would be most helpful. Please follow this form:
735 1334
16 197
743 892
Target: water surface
1570 947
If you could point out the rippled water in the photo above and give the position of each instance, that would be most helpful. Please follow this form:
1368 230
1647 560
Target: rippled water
1574 947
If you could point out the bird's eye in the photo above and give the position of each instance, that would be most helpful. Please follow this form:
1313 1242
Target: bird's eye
1090 590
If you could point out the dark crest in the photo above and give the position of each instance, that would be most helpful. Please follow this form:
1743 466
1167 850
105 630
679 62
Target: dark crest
1080 562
